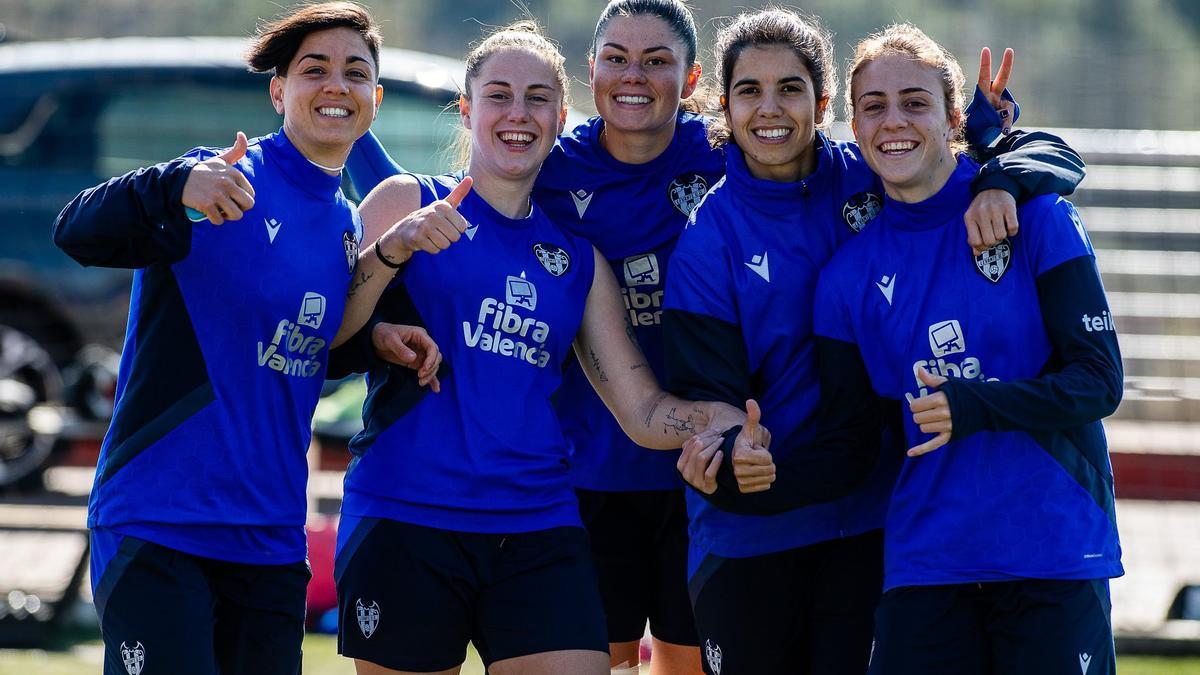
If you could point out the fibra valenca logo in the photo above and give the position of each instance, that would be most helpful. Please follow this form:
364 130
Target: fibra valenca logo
291 351
501 329
645 308
946 339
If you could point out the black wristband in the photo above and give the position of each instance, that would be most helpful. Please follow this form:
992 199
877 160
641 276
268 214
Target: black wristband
385 261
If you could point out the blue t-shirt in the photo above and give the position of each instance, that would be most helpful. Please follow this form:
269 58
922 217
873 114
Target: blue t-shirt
633 214
487 454
225 352
747 267
996 504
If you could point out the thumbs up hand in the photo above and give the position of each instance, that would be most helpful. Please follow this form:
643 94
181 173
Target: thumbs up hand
431 228
752 462
216 190
932 413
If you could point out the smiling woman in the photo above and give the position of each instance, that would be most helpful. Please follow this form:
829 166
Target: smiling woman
198 510
459 521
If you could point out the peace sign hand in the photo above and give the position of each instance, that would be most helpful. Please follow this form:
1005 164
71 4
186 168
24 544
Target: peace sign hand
994 89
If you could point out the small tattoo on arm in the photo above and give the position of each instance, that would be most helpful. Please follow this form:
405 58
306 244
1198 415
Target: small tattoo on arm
654 409
681 425
636 366
363 277
596 365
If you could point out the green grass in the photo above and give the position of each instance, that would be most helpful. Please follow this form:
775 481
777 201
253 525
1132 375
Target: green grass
321 658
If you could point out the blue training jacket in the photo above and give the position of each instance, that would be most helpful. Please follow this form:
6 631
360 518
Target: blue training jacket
738 325
633 214
225 351
1024 489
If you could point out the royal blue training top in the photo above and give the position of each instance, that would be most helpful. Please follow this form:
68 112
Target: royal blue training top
738 325
487 454
225 351
1024 489
739 322
633 214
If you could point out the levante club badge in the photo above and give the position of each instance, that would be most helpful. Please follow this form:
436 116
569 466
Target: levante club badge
994 262
554 259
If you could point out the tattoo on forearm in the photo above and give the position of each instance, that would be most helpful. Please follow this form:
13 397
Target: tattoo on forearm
679 425
363 278
654 409
596 365
636 366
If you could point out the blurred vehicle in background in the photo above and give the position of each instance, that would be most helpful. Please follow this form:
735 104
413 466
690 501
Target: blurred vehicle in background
76 113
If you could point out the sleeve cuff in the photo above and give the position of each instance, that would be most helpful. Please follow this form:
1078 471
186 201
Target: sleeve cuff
996 181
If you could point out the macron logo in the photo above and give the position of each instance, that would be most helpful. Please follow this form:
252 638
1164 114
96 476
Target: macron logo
886 285
272 228
582 199
1085 660
758 265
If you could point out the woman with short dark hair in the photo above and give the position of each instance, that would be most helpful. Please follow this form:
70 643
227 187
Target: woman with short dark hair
243 257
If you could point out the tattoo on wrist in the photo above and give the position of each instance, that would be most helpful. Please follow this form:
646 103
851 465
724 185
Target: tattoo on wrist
596 365
387 262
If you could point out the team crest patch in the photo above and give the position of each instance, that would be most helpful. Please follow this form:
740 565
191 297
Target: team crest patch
861 209
713 654
350 244
994 262
133 657
368 617
686 191
554 259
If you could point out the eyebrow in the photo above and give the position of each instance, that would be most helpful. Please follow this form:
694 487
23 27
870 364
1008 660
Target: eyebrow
325 59
910 90
786 80
648 50
502 83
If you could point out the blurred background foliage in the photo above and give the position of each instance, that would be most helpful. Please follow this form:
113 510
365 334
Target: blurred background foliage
1080 63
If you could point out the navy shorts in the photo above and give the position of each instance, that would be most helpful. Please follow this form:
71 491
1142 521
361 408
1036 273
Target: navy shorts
804 610
412 597
1003 628
639 546
163 611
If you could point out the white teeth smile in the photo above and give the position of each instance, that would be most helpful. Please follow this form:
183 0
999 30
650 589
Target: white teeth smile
633 100
772 133
334 112
516 137
896 147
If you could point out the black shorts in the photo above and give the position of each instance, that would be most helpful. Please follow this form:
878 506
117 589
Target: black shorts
639 546
162 611
1006 628
412 597
804 610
